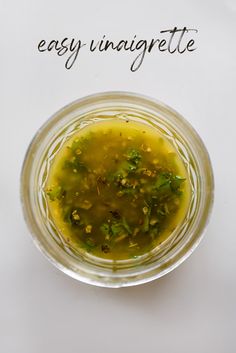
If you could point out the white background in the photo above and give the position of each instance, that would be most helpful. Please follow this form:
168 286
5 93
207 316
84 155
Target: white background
191 309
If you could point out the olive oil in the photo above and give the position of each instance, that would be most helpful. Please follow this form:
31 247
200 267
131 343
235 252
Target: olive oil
117 189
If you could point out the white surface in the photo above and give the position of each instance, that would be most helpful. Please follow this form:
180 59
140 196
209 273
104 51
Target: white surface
193 308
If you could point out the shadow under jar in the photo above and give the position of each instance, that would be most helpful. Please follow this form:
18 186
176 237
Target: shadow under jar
43 153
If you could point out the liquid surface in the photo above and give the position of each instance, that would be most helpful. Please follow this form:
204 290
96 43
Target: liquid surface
117 189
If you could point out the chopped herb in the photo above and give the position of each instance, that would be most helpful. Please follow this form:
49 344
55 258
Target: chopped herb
56 193
176 183
126 226
79 144
134 157
105 228
117 228
162 180
89 244
75 165
168 184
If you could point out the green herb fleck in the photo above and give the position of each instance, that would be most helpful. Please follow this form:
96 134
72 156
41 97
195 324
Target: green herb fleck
56 193
75 165
105 228
134 157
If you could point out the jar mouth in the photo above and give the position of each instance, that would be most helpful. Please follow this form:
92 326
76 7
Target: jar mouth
51 137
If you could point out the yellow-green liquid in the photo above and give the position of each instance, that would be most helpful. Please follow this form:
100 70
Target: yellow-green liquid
117 189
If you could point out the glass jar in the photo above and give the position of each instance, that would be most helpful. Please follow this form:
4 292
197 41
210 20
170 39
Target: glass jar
48 141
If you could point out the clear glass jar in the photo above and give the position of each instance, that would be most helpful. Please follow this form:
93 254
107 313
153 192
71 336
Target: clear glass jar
48 141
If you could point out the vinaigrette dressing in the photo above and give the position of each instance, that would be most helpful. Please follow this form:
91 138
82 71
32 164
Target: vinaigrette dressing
117 189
